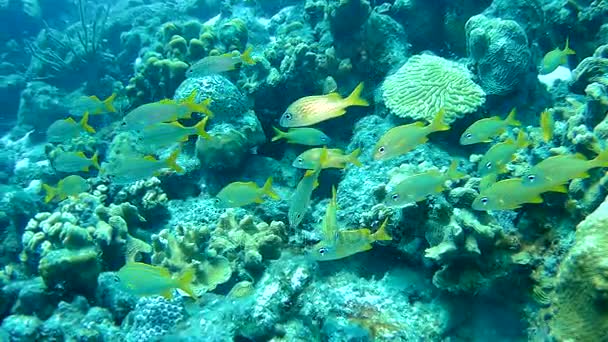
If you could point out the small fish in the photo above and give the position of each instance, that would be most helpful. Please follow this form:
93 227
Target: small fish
147 280
162 134
165 111
238 194
349 242
302 136
499 155
483 130
558 170
73 161
330 227
300 200
402 139
547 125
66 129
509 194
555 58
131 168
92 105
310 110
217 64
69 186
417 187
335 158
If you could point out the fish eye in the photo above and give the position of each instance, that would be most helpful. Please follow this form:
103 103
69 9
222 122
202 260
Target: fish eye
468 135
484 201
300 160
531 178
322 250
298 215
381 149
395 197
489 165
287 116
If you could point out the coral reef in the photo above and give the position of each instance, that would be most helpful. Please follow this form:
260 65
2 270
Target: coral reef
499 50
425 84
152 318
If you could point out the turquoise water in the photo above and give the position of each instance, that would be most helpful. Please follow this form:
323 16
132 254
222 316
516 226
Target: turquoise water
303 170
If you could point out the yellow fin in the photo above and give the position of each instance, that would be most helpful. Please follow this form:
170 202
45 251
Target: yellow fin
438 124
522 140
84 123
51 192
70 120
246 56
184 282
353 157
168 294
200 128
355 99
567 50
279 134
381 234
150 158
172 162
535 199
453 172
95 160
268 191
109 103
558 188
510 120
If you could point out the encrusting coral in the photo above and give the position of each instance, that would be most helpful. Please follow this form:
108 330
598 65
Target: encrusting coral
425 84
233 248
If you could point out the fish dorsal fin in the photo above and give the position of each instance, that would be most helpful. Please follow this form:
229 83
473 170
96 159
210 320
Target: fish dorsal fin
93 97
81 154
176 124
418 124
166 101
580 156
70 120
150 158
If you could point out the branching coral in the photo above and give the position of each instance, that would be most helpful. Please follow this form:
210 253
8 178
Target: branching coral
425 84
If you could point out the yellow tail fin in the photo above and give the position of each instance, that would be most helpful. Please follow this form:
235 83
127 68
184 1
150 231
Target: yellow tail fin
84 123
50 193
353 157
601 160
453 172
95 160
172 162
279 134
381 234
355 99
184 282
108 103
438 124
268 191
567 49
510 120
522 140
200 128
246 56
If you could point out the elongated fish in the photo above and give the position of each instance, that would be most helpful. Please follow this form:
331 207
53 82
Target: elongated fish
483 130
300 200
238 194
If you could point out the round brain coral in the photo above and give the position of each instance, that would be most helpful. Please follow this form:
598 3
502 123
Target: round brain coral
425 84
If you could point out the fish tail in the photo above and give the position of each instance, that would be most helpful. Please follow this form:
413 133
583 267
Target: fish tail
108 103
355 99
50 193
246 56
279 134
172 161
510 120
84 123
381 234
567 49
184 282
353 157
200 128
602 159
95 160
438 123
522 140
269 191
453 172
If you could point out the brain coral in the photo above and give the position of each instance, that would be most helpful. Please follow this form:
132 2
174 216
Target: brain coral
425 84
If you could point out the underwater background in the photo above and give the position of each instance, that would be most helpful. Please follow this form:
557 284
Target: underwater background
303 170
